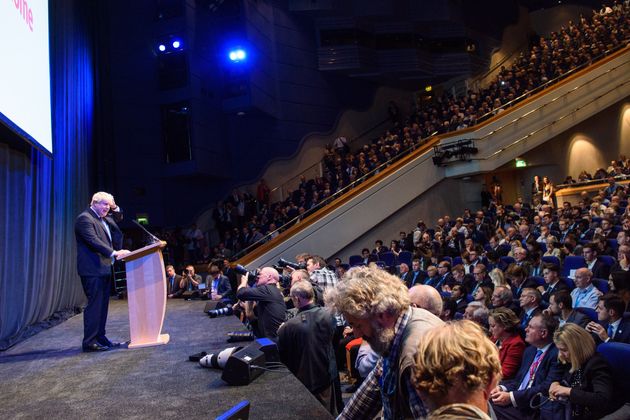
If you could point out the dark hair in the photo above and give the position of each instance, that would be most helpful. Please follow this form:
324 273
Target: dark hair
451 306
550 323
621 280
552 267
563 297
614 302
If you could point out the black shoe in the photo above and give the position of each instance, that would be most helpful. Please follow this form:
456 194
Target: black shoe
109 344
94 347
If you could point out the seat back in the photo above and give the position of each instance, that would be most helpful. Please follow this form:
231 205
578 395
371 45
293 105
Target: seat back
602 285
617 355
572 263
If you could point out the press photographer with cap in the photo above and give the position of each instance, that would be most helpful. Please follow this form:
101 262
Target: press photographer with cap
270 310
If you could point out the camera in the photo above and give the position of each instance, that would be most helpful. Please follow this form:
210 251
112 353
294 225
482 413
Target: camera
218 360
252 276
213 313
284 263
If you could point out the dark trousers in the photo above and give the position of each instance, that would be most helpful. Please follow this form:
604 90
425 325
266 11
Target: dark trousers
95 314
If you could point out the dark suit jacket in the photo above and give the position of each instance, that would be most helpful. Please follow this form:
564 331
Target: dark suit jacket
94 248
549 370
595 392
578 318
511 355
175 290
600 270
224 288
561 285
622 335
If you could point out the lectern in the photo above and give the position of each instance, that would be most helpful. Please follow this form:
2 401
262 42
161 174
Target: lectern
146 295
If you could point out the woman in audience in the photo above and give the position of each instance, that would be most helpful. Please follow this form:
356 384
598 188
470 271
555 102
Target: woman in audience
553 248
484 295
394 248
498 278
588 384
549 191
503 324
456 366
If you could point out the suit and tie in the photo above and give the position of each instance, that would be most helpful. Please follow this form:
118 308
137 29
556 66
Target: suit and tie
560 285
540 367
97 239
620 334
172 286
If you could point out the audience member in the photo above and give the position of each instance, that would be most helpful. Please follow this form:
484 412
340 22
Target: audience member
305 345
588 385
456 367
513 399
561 306
585 294
503 326
376 305
174 287
612 325
270 308
426 297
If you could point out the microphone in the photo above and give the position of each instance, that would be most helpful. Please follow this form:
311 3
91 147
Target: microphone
154 238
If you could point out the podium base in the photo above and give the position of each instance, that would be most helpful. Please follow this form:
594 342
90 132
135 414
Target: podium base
162 339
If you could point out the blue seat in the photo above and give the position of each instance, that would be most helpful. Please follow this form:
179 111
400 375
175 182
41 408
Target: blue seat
539 280
589 312
596 219
572 263
617 356
405 257
355 260
449 259
543 247
388 258
617 228
504 262
602 285
381 264
608 260
550 259
457 260
569 282
613 244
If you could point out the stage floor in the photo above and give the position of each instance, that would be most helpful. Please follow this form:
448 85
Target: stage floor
48 376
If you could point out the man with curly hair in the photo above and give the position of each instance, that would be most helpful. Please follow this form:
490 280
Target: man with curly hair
376 305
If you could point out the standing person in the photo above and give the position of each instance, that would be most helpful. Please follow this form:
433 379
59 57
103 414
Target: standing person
549 192
305 345
376 305
99 242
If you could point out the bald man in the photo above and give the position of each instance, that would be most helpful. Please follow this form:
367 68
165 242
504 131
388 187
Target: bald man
270 309
426 297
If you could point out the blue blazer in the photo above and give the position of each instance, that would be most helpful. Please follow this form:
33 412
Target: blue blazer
549 370
94 247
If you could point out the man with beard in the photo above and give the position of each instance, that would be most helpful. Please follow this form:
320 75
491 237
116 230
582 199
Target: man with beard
376 304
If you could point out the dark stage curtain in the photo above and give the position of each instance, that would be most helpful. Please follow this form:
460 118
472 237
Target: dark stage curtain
41 196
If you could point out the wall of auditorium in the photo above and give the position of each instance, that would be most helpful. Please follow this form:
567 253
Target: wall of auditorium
450 196
287 98
588 146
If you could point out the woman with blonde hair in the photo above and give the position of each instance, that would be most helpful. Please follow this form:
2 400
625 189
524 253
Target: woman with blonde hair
588 385
498 278
456 367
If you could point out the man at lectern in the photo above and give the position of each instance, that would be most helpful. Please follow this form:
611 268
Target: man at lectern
99 242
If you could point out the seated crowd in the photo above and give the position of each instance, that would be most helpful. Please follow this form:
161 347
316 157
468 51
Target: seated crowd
242 219
523 330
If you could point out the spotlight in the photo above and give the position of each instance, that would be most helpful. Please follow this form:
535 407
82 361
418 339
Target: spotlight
177 44
237 55
162 47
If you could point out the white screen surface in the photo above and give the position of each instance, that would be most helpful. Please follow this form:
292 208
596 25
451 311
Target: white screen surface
25 70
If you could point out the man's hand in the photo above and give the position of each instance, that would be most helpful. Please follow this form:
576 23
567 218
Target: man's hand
121 253
501 398
594 327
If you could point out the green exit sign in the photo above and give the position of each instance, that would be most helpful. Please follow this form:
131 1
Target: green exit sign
520 163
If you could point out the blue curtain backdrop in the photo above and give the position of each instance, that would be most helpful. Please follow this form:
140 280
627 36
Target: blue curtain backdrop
42 196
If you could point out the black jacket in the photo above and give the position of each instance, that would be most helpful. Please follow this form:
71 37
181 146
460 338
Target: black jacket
94 248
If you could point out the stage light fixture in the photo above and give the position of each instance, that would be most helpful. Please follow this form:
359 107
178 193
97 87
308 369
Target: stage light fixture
177 44
162 47
237 55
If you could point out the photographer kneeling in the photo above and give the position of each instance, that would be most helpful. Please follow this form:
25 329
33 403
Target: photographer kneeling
270 308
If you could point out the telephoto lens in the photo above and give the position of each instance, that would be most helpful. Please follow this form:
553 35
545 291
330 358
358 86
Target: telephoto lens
218 360
221 312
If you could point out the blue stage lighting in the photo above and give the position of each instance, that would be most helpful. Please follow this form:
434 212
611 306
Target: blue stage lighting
177 44
237 55
162 47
